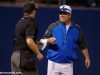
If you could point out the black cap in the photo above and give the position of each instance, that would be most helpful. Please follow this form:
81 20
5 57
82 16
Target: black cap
29 7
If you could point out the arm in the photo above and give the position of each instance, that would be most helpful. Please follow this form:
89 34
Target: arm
45 41
30 33
87 58
31 44
84 48
48 33
47 38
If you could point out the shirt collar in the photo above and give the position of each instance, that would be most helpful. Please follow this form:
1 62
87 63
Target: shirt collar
67 26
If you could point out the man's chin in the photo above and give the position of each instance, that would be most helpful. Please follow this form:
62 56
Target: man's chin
62 21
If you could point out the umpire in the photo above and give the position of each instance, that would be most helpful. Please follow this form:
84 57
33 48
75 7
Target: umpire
26 29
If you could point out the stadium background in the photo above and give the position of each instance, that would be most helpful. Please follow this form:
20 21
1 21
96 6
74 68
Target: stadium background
87 18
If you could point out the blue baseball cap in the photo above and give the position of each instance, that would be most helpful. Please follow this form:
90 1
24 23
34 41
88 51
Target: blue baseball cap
65 8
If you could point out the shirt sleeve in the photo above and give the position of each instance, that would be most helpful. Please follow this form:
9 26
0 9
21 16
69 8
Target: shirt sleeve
81 41
31 29
48 33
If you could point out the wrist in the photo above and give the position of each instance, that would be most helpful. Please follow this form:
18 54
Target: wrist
87 58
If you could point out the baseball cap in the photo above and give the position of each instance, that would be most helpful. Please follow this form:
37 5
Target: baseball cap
65 8
28 7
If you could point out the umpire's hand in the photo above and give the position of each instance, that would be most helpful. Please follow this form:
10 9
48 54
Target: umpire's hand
40 56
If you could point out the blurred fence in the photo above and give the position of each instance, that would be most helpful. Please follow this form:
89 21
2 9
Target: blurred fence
88 3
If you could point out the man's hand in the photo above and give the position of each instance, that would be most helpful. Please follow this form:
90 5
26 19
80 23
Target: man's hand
87 58
52 40
87 62
40 56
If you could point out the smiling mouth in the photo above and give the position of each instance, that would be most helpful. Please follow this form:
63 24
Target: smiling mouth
62 18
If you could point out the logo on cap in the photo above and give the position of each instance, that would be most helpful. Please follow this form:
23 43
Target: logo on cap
65 8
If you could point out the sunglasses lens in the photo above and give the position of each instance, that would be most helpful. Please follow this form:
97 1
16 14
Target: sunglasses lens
65 13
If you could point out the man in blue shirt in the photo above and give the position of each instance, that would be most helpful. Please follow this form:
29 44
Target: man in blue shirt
63 38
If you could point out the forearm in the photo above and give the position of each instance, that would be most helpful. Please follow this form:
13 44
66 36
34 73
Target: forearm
32 46
85 53
51 40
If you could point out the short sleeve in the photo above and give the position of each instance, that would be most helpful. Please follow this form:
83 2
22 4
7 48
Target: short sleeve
31 29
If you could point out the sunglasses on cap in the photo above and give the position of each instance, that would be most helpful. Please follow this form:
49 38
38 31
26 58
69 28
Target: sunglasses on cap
64 13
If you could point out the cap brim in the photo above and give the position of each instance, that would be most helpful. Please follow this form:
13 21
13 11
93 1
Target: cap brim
65 11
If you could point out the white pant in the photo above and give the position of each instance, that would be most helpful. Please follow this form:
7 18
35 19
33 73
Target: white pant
59 68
